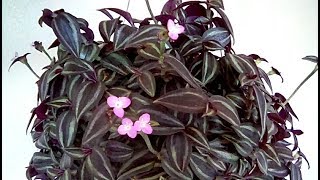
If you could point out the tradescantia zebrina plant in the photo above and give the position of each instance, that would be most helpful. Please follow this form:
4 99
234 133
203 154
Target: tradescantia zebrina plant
165 97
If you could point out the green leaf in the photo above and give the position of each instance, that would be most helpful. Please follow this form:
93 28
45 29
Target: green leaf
145 34
100 165
197 137
225 109
89 52
122 35
66 128
201 167
179 150
262 104
118 151
67 30
147 83
88 95
186 100
99 124
209 68
150 51
107 28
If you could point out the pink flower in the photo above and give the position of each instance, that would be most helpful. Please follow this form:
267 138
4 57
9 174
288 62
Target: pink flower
118 104
174 29
127 128
143 124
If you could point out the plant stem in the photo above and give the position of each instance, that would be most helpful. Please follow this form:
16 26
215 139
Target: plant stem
147 140
305 80
128 5
27 64
150 11
48 55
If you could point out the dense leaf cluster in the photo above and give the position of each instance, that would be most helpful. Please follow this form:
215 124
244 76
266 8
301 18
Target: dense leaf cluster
213 112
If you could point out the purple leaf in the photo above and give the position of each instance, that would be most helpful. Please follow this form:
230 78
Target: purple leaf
181 70
225 109
67 30
201 167
179 150
99 164
66 128
168 7
311 58
122 35
186 100
144 35
262 104
99 124
107 28
123 13
87 95
147 83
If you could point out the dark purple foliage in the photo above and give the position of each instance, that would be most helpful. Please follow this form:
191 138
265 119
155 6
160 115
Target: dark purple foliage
211 115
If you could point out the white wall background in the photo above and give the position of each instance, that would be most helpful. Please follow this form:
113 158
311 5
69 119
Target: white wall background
282 31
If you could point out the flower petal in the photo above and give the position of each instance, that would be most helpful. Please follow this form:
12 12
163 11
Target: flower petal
147 129
127 121
137 125
144 118
173 35
132 133
112 101
122 130
125 101
118 112
179 29
170 25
